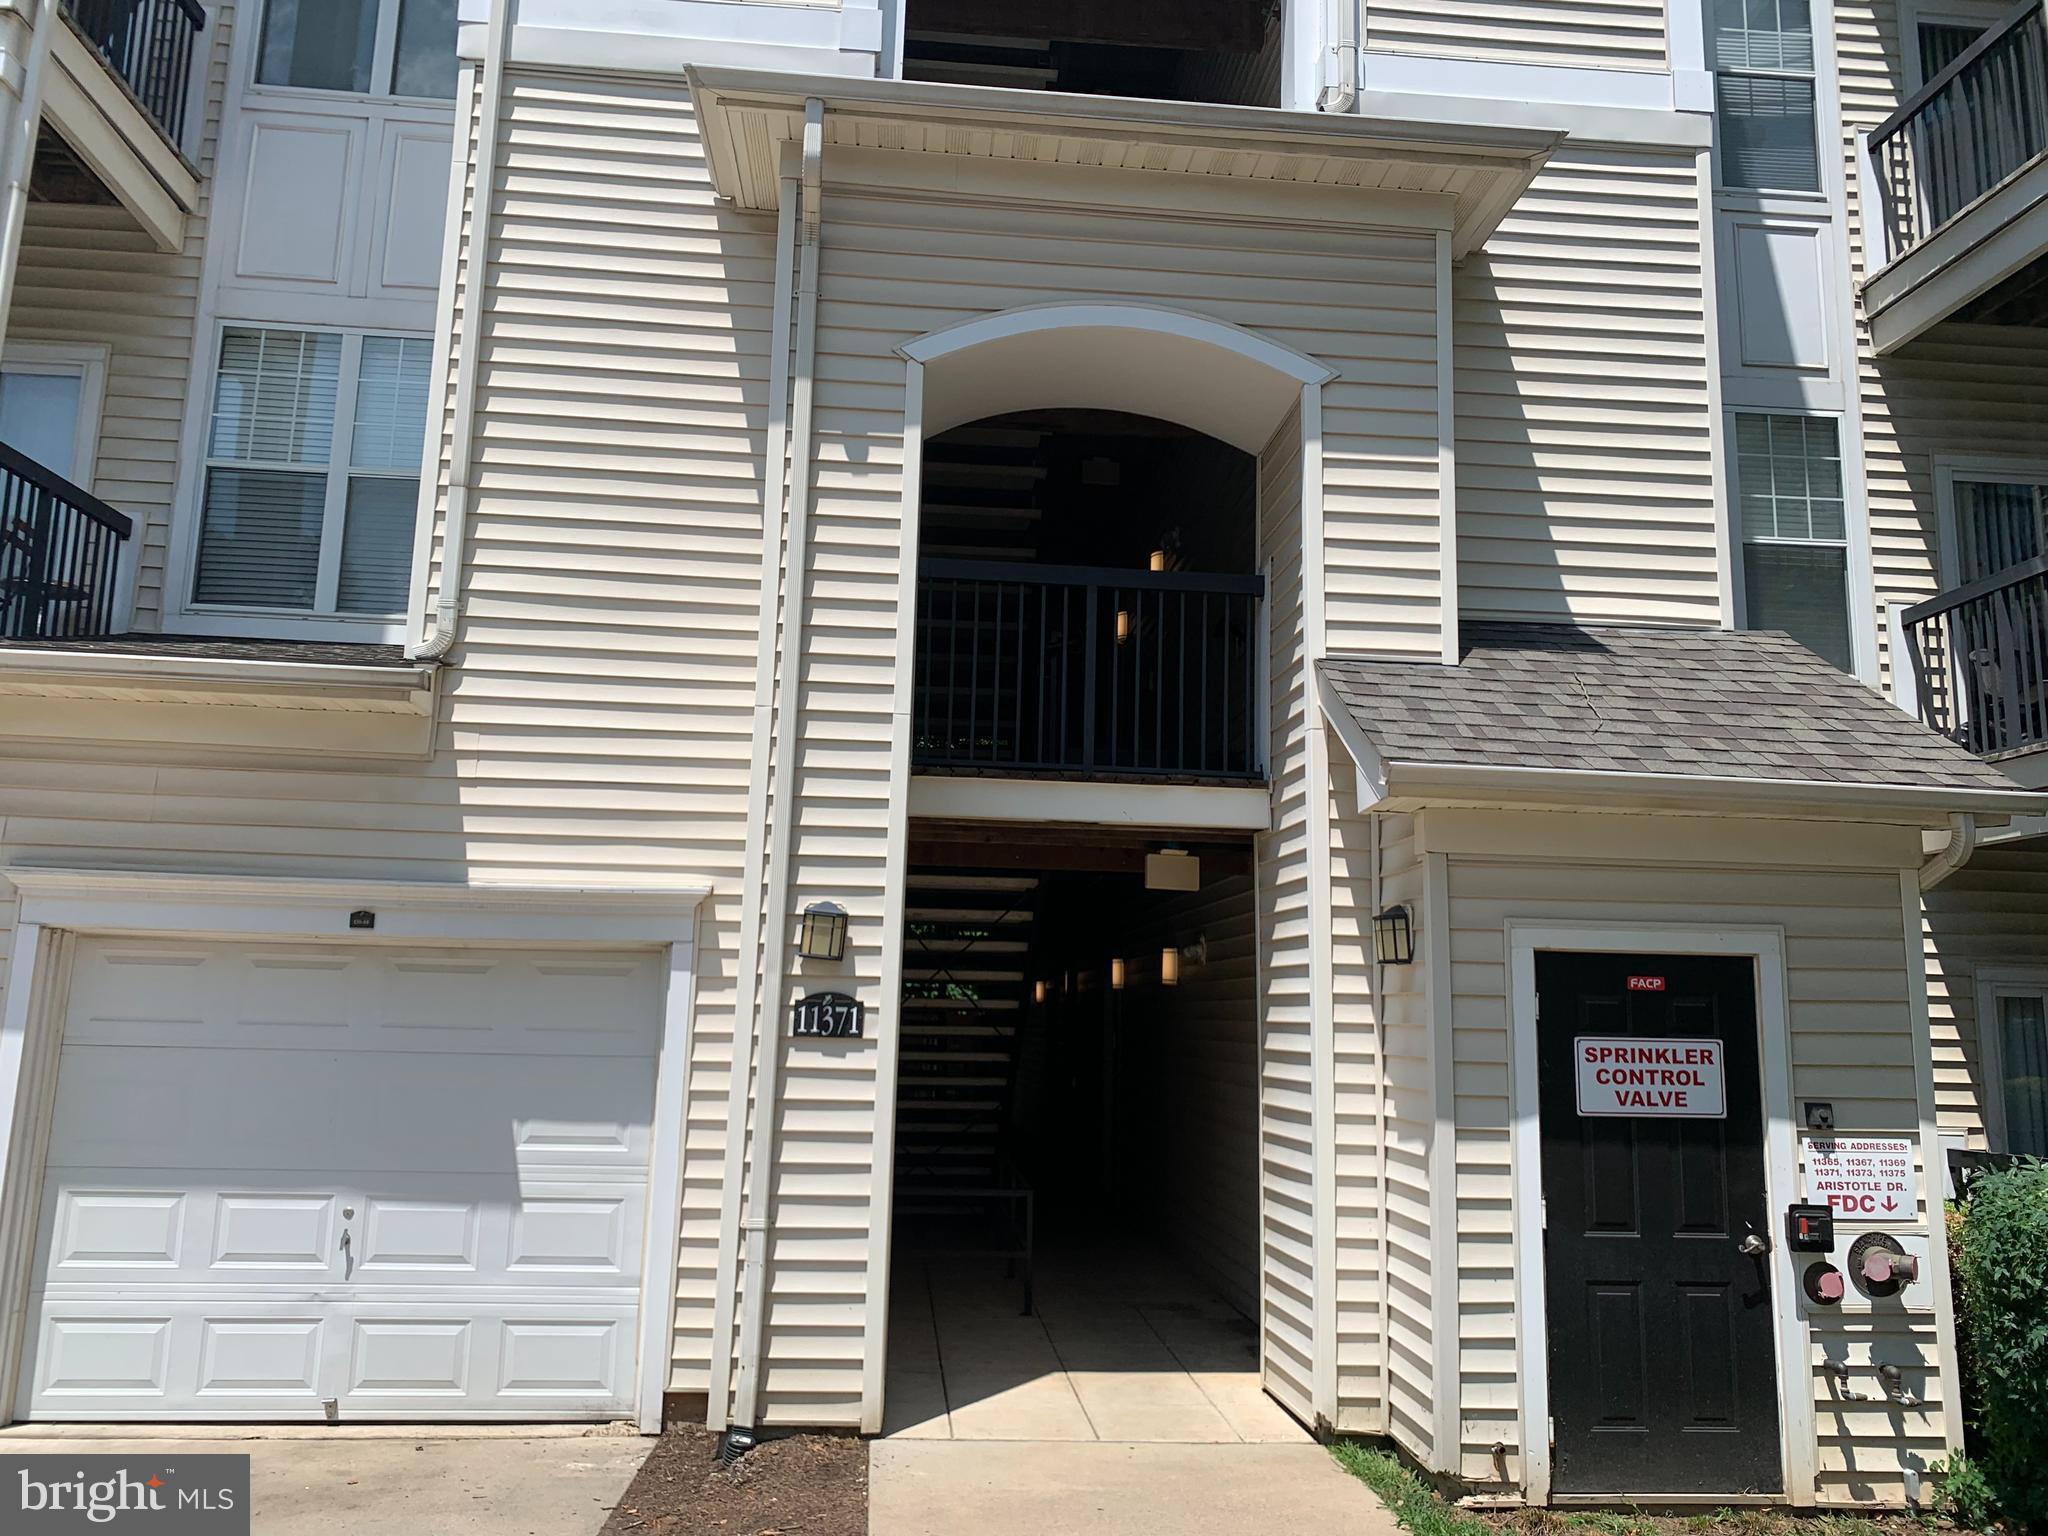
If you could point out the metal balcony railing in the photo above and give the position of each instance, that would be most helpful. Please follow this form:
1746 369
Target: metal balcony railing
148 43
1968 131
1980 660
1033 669
60 554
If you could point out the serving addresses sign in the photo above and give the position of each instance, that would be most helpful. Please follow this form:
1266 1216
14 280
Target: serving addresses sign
1619 1075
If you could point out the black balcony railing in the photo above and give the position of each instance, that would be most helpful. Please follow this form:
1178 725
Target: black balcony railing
148 43
1968 131
1058 669
1980 660
60 554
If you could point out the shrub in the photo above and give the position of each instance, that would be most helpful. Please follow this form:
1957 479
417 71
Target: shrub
1962 1494
2003 1306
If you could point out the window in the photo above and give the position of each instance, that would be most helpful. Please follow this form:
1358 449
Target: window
1795 540
313 471
1763 95
1998 521
369 47
1942 43
2018 1058
50 395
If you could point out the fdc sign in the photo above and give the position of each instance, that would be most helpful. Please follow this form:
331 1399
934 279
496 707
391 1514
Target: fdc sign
1863 1175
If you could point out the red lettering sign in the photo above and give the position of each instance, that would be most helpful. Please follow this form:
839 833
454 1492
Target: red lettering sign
1646 983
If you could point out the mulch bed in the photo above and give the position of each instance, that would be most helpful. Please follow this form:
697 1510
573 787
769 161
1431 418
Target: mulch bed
805 1485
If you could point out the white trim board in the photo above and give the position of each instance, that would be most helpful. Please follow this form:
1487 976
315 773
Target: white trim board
56 902
1766 946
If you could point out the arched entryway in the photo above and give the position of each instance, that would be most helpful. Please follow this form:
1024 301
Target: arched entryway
1109 504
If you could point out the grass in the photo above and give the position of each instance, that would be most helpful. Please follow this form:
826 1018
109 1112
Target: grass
1421 1511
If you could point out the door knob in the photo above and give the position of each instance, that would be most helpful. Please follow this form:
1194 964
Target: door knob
348 1258
1754 1246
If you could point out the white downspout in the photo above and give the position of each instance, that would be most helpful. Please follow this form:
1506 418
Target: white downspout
1962 842
768 1075
1377 898
438 641
1347 24
21 151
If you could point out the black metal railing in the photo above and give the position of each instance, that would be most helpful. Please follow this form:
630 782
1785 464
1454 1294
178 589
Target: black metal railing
148 43
1980 660
60 554
1063 669
1968 131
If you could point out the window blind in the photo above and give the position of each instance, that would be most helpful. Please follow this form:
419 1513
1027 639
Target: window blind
391 402
1789 475
2023 1042
259 538
1763 34
376 544
274 398
1767 132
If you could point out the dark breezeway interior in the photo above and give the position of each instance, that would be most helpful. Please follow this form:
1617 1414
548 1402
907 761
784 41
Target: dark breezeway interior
1076 1157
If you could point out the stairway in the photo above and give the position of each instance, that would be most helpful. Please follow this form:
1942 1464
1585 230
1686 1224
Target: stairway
966 947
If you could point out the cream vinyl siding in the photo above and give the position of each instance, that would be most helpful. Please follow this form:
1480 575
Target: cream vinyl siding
89 274
1587 34
1991 913
1286 1098
1585 471
1411 1254
1357 1107
1852 1043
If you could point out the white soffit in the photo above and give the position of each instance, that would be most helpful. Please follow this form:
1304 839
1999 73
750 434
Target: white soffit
749 115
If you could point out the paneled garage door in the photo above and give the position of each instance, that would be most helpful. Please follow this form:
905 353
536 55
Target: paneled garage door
411 1183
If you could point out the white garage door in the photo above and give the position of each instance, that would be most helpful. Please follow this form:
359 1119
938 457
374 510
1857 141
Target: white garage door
412 1182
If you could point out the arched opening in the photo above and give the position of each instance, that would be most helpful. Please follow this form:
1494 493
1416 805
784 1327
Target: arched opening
1076 1133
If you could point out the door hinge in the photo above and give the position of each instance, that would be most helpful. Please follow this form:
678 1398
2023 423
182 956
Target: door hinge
1543 1213
1552 1431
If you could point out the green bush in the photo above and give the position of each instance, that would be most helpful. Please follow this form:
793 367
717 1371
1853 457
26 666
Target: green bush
1962 1493
2002 1296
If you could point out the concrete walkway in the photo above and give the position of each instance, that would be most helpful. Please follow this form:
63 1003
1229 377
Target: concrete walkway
1049 1488
397 1482
1122 1346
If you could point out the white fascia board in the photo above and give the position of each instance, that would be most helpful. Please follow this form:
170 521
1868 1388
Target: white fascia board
1974 252
1928 806
1372 768
1581 120
168 668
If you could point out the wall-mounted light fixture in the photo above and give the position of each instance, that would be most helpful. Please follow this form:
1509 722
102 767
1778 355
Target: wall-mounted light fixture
823 935
1116 973
1393 937
1038 991
1158 559
1173 959
1123 625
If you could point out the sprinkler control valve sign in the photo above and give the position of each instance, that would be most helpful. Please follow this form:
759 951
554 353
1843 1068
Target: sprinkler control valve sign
1668 1079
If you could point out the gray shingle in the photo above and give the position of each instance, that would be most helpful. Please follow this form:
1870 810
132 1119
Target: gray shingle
1628 699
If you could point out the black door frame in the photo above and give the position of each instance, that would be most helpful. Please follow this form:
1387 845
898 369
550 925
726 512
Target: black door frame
1765 948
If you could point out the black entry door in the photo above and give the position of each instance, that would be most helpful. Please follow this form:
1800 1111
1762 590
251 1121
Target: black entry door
1662 1372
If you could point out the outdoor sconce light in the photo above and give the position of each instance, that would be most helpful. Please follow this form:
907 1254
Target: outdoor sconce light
1195 955
823 936
1116 974
1038 992
1158 559
1123 625
1393 937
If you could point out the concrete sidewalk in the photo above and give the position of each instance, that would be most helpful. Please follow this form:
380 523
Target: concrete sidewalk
397 1482
1049 1488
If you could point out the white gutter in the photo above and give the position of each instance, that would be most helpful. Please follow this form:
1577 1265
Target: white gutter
1962 842
21 150
1347 24
774 516
440 640
768 1074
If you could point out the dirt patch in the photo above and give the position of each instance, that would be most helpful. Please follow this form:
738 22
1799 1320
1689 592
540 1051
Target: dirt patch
806 1485
1718 1522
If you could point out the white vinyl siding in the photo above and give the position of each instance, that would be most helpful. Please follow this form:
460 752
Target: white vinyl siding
1585 479
1586 34
1286 1061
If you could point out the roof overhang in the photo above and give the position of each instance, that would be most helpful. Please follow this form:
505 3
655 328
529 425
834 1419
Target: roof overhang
1476 172
1387 785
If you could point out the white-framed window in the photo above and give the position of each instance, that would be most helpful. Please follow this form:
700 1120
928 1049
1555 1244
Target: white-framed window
363 47
1764 95
1993 514
313 448
2012 1034
1793 520
51 395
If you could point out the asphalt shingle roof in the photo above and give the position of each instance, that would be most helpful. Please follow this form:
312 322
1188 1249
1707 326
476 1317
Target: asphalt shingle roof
1626 699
